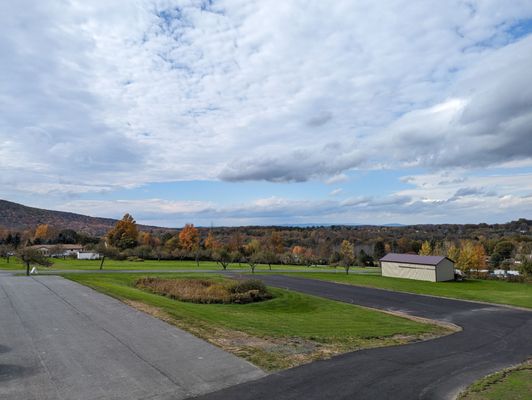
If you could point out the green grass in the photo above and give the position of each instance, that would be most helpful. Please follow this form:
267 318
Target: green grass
115 265
289 315
491 291
510 384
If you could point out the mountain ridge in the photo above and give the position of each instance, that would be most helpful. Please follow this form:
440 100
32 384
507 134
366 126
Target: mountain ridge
15 216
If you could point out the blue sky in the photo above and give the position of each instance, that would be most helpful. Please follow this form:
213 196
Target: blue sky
238 112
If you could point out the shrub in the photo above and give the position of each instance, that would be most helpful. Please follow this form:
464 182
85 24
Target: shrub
247 285
206 291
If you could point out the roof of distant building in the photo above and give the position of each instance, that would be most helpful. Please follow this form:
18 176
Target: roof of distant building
413 259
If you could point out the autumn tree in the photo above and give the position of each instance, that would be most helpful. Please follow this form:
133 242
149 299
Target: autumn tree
347 254
309 257
189 240
147 239
276 243
252 254
453 252
298 252
211 243
124 234
426 249
404 245
466 259
479 257
41 232
439 249
235 242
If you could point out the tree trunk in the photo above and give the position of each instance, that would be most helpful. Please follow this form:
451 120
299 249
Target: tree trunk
27 268
101 263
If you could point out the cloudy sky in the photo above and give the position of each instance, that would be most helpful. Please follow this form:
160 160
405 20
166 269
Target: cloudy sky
230 112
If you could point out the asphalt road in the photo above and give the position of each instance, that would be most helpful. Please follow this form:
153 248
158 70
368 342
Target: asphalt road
61 340
492 338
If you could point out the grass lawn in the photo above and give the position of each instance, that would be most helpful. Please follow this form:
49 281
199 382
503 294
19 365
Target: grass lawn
511 384
288 330
60 264
516 294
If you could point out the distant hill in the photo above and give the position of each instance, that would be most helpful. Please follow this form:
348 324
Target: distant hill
327 225
14 216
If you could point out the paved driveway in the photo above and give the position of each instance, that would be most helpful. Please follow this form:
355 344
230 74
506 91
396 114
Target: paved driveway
61 340
492 338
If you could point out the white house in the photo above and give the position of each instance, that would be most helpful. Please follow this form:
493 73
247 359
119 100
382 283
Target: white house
87 255
412 266
58 250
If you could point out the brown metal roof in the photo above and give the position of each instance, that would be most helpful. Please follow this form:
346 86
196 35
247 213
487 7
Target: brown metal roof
413 259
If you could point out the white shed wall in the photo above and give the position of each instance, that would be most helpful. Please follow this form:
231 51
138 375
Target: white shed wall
419 272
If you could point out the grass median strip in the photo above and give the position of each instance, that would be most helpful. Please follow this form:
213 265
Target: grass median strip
510 384
288 330
491 291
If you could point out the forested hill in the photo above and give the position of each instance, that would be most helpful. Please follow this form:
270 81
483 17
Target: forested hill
17 217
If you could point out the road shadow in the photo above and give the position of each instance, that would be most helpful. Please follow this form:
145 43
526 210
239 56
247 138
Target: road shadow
10 371
4 349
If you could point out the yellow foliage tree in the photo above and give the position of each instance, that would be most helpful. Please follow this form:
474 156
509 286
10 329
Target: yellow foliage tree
453 252
211 243
347 254
426 249
466 259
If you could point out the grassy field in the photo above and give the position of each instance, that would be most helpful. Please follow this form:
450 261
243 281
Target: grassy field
511 384
288 330
115 265
516 294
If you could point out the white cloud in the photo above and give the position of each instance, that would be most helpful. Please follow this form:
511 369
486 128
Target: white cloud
102 95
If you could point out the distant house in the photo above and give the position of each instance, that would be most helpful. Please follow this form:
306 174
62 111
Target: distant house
423 268
58 250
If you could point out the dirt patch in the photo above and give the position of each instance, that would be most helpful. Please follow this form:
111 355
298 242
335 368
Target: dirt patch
272 354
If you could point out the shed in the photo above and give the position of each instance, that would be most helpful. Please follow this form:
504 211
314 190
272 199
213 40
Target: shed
412 266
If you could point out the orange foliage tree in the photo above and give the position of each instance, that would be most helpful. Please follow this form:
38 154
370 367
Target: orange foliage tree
189 238
124 234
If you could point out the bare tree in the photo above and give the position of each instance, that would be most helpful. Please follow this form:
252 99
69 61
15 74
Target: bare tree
30 256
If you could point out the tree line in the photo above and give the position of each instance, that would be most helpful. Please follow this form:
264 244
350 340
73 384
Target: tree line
472 247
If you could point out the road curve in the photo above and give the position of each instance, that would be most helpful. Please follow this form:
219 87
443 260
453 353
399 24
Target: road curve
493 337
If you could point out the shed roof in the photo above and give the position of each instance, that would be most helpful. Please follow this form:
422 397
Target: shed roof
413 259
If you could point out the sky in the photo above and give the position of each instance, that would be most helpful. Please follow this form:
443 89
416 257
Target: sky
243 112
